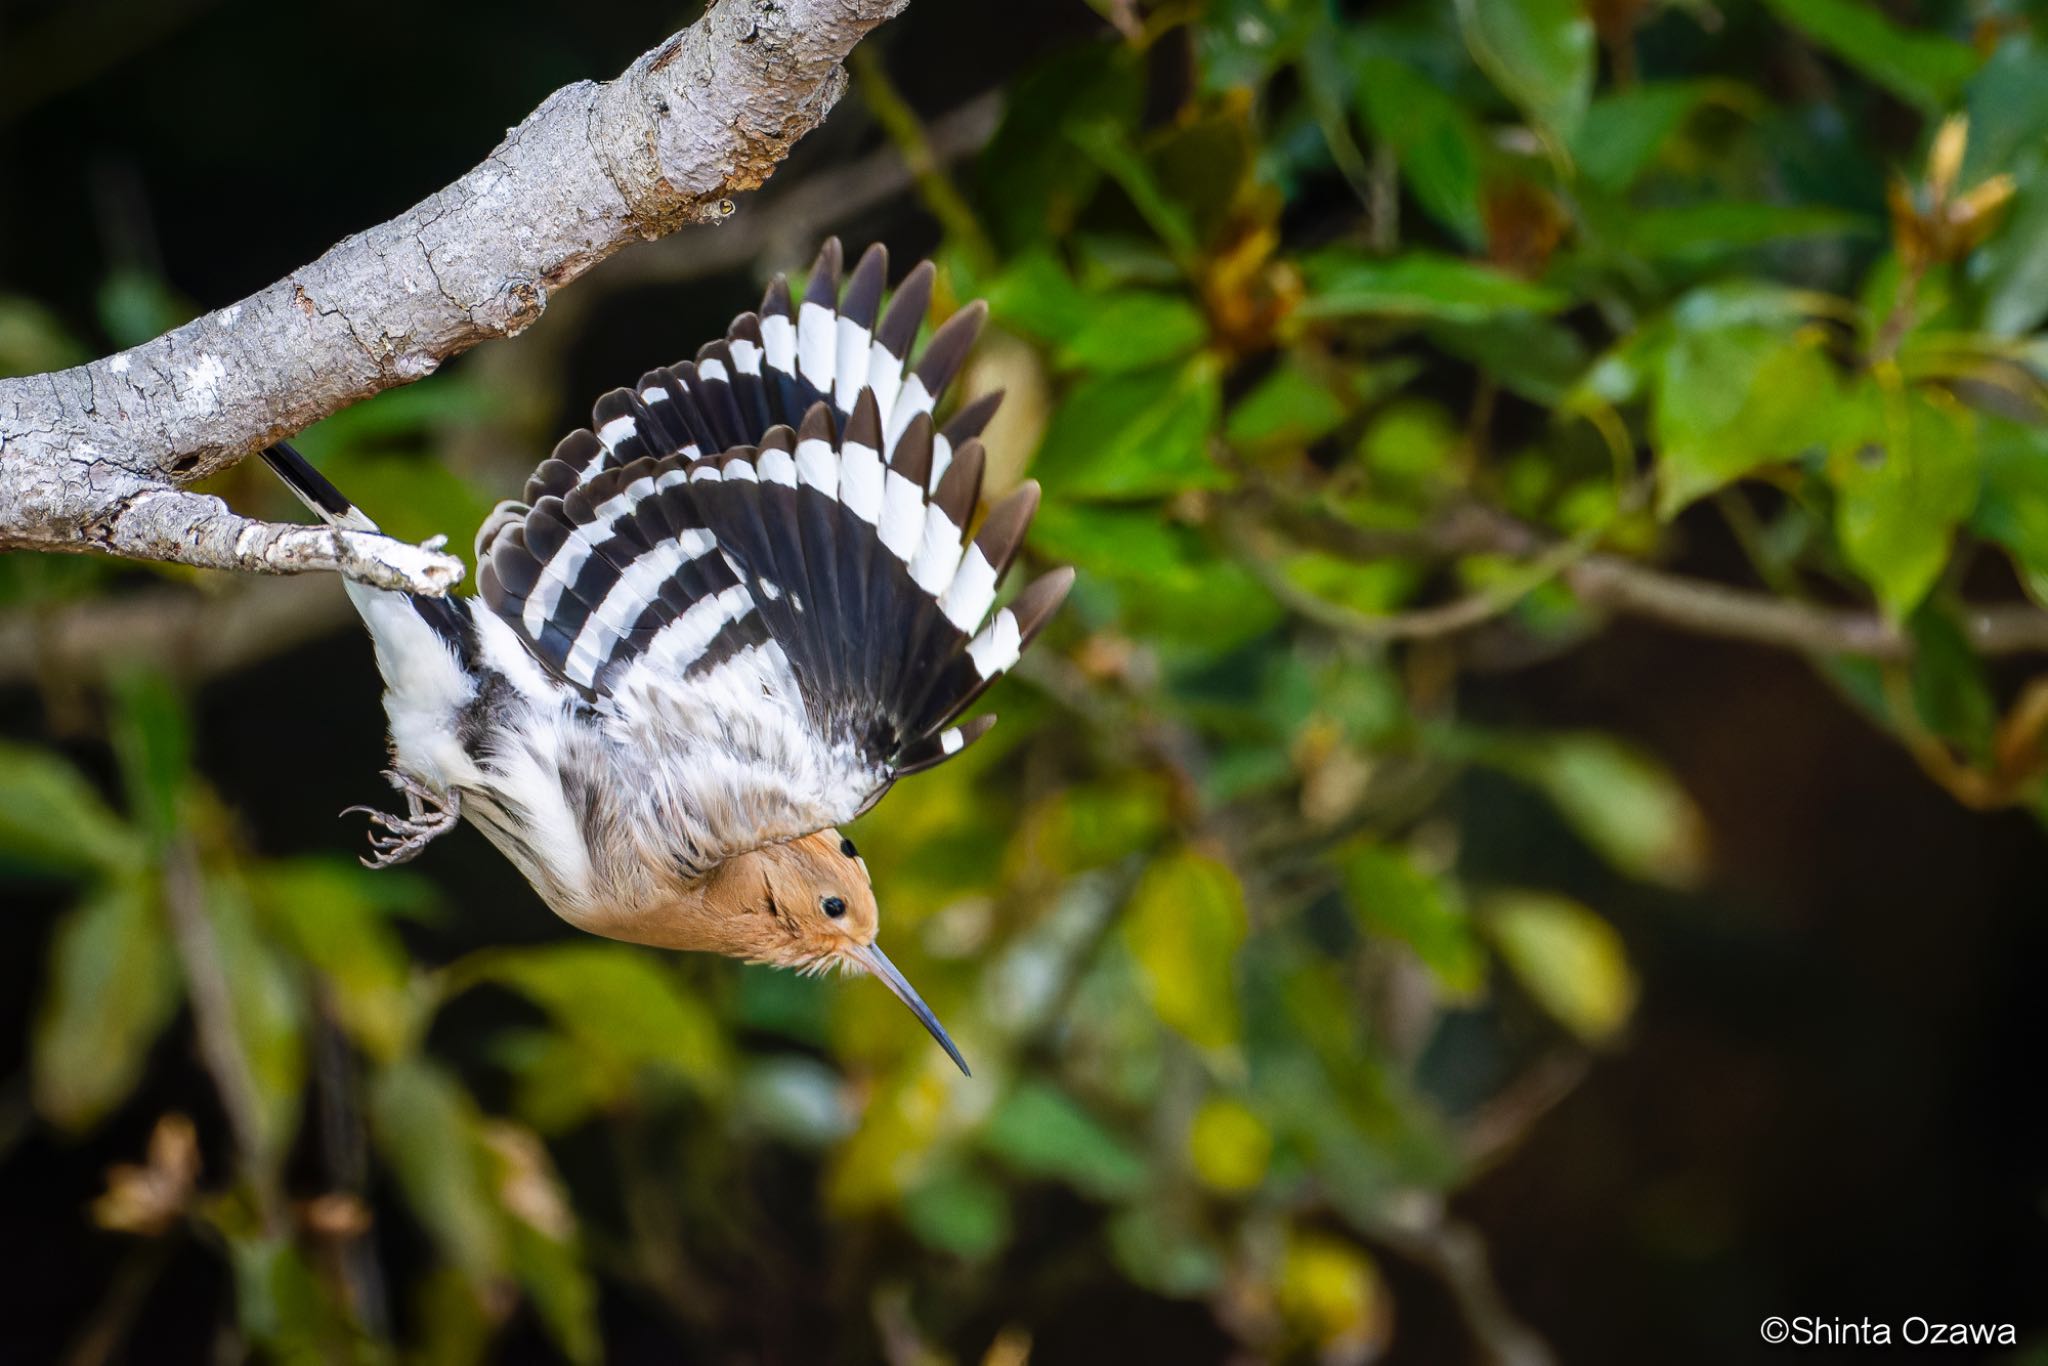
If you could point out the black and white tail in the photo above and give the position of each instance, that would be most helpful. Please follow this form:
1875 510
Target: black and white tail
315 490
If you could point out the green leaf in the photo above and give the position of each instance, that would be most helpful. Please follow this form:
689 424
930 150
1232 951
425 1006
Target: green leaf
799 1100
1733 399
1410 441
1242 42
1161 1251
1183 928
1036 296
1569 959
1108 146
1623 132
1537 358
546 1247
1951 688
1142 434
1439 145
622 1007
137 304
1041 1132
1618 798
1718 226
1344 284
52 820
153 740
1132 329
2008 108
1032 182
335 917
1921 68
33 340
110 989
961 1212
1394 899
426 1127
1290 407
283 1306
2013 509
1229 1146
1539 52
1904 477
2009 273
268 1010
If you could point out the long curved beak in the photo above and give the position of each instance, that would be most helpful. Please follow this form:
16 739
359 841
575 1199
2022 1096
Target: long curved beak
872 958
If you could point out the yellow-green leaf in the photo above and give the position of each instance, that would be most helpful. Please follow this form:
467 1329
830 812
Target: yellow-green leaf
426 1127
112 988
1619 799
1184 926
51 819
1539 52
623 1008
1904 476
1569 959
1393 898
1229 1146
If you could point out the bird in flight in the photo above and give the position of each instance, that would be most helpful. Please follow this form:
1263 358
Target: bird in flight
723 620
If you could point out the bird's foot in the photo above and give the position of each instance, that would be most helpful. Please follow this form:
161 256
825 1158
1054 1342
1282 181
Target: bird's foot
396 839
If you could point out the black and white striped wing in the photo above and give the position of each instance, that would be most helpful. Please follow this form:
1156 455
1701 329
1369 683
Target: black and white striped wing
771 368
788 625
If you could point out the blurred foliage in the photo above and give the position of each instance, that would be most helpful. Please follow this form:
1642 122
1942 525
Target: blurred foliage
1305 289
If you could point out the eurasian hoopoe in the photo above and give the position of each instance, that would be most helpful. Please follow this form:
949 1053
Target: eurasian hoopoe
724 620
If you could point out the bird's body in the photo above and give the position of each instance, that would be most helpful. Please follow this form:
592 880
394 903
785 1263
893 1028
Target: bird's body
722 622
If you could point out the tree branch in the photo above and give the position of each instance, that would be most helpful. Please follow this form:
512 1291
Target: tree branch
90 457
1622 585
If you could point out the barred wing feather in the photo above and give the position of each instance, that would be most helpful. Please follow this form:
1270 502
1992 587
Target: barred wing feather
758 563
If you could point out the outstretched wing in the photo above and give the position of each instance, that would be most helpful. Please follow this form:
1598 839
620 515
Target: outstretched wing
770 369
787 622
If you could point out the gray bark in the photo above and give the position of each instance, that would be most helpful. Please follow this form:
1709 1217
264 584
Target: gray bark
91 458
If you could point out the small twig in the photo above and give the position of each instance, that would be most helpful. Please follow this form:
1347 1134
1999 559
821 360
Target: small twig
181 630
1457 1257
213 1021
1423 623
1689 604
907 134
106 1331
344 1152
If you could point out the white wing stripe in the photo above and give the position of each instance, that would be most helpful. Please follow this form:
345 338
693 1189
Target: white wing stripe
816 466
778 338
909 404
853 354
777 467
677 645
814 344
860 481
973 588
996 649
885 377
902 516
939 556
556 576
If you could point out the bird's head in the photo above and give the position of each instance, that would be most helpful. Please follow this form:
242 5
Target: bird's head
811 907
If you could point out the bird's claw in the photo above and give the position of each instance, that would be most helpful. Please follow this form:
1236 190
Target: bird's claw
396 839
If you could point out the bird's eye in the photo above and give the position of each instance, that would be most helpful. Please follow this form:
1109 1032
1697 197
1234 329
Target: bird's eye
846 848
834 906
